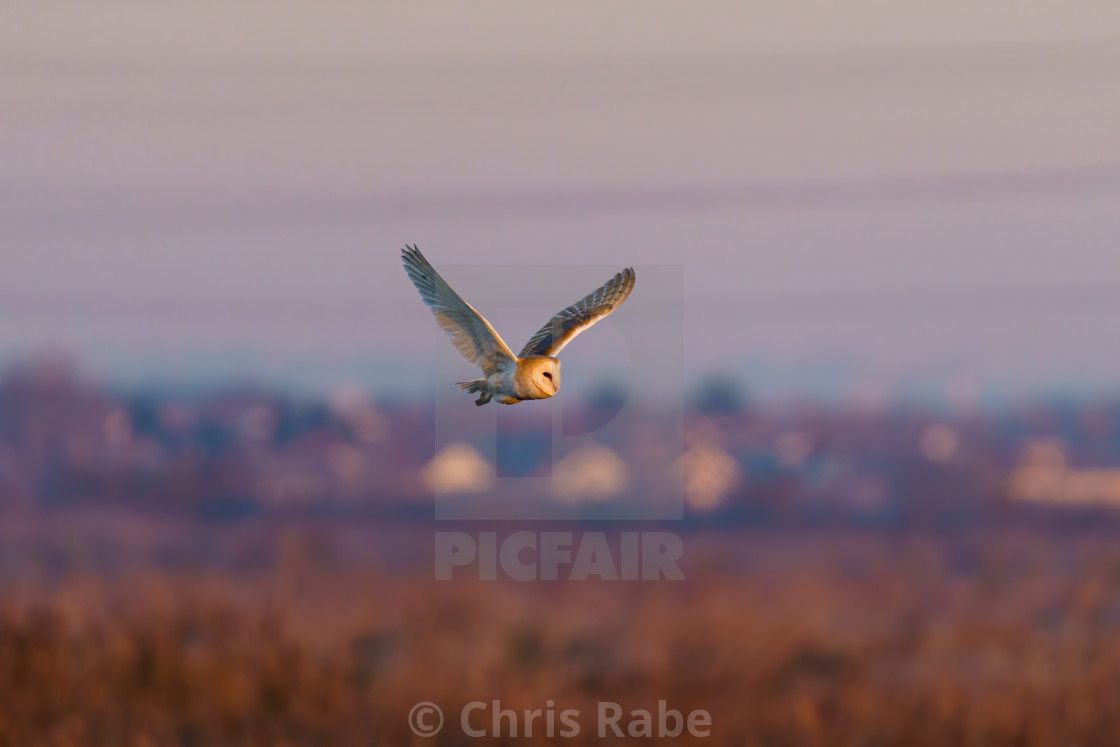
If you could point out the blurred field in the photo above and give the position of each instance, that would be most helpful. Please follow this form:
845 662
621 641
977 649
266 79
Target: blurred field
812 638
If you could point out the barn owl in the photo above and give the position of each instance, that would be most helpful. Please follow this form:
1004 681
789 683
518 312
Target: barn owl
534 373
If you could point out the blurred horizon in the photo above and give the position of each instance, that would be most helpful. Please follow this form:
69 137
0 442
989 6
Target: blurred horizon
821 380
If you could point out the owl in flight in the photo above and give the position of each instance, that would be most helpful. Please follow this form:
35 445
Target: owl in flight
534 373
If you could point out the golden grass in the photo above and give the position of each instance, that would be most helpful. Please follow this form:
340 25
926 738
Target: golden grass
836 641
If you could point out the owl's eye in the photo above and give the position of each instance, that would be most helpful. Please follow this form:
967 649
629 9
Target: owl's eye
547 375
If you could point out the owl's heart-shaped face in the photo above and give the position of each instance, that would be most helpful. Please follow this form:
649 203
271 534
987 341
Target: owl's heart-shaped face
544 373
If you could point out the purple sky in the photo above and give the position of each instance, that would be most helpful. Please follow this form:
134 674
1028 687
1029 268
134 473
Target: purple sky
908 192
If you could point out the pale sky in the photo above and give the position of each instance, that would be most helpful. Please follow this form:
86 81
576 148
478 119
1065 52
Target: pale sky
913 187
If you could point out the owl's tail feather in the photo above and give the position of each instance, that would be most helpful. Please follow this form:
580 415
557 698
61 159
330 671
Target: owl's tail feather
478 385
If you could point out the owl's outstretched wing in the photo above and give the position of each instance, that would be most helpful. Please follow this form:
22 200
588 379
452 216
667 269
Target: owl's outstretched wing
562 328
471 334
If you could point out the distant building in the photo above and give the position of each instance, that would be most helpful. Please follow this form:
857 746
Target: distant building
459 468
591 473
710 474
1043 476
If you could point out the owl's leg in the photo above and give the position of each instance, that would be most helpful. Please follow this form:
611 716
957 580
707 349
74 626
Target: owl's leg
478 385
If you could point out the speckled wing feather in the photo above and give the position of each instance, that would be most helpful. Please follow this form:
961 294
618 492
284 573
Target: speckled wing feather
563 328
471 334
